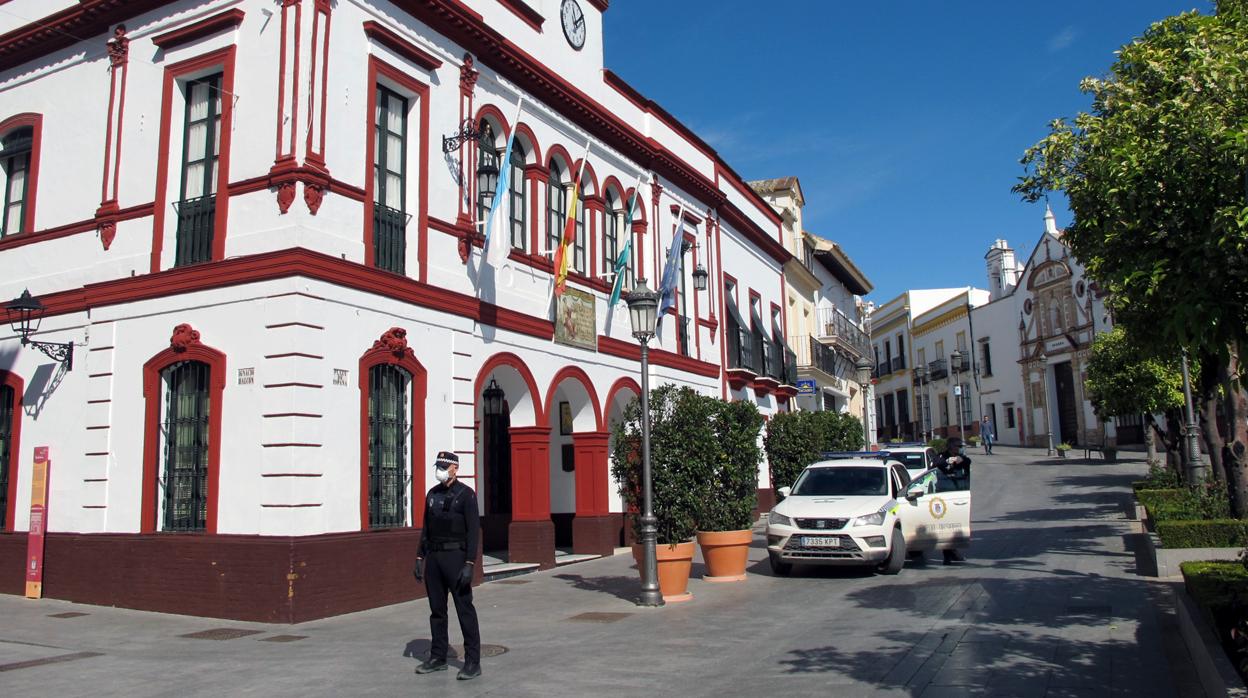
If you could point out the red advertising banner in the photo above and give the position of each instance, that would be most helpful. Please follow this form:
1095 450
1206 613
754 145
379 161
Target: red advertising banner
38 523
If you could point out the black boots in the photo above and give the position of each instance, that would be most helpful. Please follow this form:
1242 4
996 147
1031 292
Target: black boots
471 670
952 556
431 665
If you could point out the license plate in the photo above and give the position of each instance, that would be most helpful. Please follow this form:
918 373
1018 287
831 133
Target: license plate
821 541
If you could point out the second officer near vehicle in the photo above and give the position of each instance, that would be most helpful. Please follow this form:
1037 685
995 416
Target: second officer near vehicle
445 562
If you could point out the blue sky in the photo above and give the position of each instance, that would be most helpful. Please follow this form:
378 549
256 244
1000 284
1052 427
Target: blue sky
904 120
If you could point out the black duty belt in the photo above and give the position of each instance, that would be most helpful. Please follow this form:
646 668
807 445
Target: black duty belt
435 546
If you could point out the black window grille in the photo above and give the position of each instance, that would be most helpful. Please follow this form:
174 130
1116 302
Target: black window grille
15 162
683 319
611 233
986 358
387 449
390 182
7 414
516 187
201 149
581 243
488 157
185 430
556 209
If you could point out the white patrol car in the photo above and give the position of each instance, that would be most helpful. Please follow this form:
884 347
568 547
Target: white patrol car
866 511
916 457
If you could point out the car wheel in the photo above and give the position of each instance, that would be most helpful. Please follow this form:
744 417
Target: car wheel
778 568
896 554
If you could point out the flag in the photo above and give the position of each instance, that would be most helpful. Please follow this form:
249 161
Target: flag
569 230
497 224
671 268
621 260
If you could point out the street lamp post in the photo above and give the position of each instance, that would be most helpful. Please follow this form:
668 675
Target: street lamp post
1044 384
1195 466
643 306
958 397
863 368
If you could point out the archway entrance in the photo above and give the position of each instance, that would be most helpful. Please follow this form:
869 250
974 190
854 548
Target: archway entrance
495 477
623 392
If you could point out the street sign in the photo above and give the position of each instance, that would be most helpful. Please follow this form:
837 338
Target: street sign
38 524
957 390
805 386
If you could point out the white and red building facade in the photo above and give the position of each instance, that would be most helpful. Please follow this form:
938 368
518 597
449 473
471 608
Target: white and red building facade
241 215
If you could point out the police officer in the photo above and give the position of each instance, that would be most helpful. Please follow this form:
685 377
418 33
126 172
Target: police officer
956 465
445 561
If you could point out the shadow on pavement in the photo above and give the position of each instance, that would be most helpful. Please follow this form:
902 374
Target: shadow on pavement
621 587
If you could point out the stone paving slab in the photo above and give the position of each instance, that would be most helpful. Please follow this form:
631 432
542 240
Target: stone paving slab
1050 603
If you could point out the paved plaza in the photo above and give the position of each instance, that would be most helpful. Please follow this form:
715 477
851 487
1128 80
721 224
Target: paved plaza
1050 603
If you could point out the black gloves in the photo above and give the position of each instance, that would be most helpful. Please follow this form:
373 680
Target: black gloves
419 570
465 578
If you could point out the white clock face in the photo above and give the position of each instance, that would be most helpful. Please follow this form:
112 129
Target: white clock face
573 23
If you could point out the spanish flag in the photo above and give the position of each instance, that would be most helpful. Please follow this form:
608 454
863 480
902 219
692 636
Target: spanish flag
569 230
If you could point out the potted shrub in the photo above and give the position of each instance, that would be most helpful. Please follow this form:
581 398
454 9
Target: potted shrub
675 485
1062 448
730 490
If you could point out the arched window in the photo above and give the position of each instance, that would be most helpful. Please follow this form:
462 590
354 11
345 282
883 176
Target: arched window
15 163
556 206
388 429
611 240
519 206
581 244
488 156
184 427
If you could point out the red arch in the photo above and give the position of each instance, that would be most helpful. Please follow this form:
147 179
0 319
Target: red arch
612 183
493 112
617 386
506 358
579 375
587 176
524 130
35 122
15 382
404 358
558 151
184 346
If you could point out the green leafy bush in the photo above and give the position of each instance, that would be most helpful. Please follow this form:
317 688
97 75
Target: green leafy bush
794 440
1063 447
1215 533
731 486
1216 584
1160 477
1201 502
704 455
938 444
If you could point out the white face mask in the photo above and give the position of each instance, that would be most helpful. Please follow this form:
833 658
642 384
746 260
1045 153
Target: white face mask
441 474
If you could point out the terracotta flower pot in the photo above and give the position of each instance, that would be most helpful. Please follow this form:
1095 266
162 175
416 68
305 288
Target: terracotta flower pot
726 554
674 563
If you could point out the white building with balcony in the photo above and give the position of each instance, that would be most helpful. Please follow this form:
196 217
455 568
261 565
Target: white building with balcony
256 224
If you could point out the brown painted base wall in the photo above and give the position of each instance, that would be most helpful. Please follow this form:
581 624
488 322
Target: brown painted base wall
255 578
596 535
532 541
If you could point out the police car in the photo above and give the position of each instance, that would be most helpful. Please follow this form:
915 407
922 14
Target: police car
866 512
916 457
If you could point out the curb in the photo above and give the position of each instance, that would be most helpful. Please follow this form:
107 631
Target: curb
1217 676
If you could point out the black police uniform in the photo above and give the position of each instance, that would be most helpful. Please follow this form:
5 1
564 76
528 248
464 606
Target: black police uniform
960 474
448 542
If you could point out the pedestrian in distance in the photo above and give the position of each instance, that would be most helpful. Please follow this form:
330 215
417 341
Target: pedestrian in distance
988 432
445 562
955 465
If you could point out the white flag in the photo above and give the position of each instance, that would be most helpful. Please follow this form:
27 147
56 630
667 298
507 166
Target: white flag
498 224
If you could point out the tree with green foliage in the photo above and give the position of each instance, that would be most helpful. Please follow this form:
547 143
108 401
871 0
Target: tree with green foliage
730 488
1156 173
1123 380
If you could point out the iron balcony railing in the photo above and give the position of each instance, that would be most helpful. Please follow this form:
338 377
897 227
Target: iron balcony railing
963 365
790 366
196 220
815 354
833 324
389 239
769 359
740 352
883 369
683 326
937 369
776 361
899 363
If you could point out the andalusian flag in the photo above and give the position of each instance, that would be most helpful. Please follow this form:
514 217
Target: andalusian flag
498 223
569 230
621 260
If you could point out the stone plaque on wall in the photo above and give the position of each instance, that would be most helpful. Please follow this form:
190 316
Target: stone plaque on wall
576 319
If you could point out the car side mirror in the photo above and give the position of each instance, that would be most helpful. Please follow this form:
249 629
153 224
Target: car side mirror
914 492
784 491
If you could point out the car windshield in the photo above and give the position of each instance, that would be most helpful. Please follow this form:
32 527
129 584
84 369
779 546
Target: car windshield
910 460
848 481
